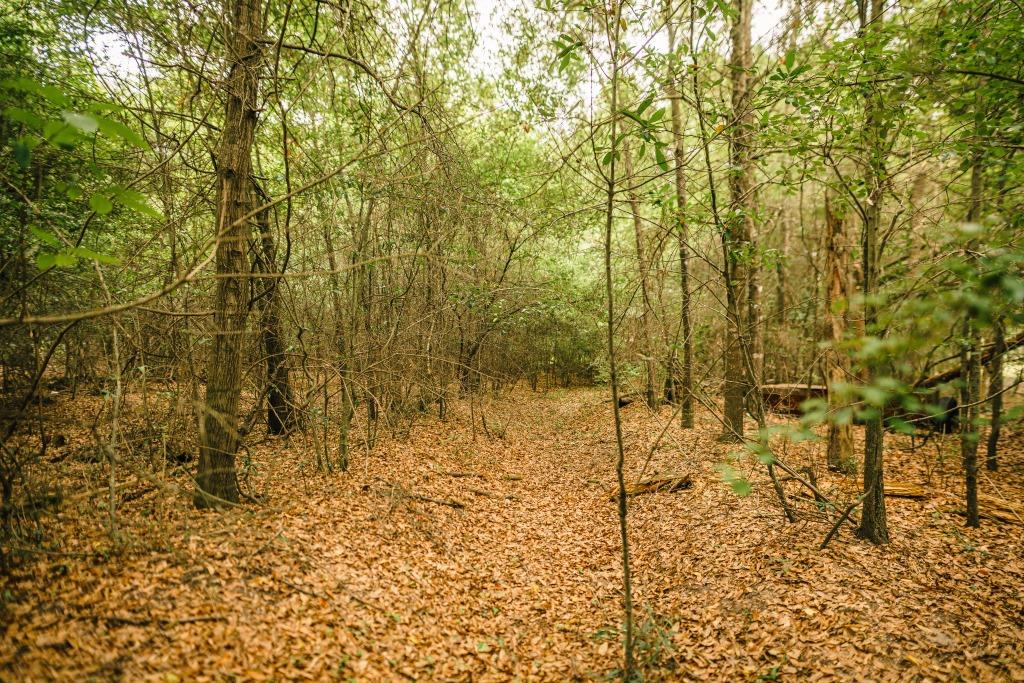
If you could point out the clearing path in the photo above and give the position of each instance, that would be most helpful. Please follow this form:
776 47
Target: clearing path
460 554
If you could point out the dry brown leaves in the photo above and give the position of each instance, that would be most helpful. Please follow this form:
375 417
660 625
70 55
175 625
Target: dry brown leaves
370 576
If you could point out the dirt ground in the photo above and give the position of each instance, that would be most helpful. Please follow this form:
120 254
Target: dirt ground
463 554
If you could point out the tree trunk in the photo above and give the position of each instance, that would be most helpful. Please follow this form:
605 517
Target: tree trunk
280 406
341 348
646 313
995 396
969 412
840 433
970 392
620 451
683 379
218 439
736 235
873 524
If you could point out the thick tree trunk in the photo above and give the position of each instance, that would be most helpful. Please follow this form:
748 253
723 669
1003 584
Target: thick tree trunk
215 479
840 434
738 228
682 375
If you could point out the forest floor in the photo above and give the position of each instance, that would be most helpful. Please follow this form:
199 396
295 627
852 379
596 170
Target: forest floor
366 576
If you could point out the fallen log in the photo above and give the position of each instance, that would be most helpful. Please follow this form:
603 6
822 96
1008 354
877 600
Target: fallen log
668 483
902 489
898 489
986 357
995 509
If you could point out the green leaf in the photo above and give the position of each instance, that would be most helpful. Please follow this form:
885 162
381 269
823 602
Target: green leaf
874 395
82 252
61 133
741 487
23 116
900 425
634 117
112 128
22 153
64 259
45 261
659 155
100 204
54 95
83 122
790 60
136 201
51 93
44 236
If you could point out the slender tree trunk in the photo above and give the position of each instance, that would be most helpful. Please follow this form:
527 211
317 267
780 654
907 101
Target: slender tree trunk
873 524
683 381
643 267
970 394
280 405
215 479
620 451
840 434
779 319
736 235
995 395
341 348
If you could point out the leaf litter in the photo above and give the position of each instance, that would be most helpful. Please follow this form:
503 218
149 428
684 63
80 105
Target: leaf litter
458 555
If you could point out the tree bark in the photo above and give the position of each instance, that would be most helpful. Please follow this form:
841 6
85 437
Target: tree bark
620 451
216 482
340 347
683 380
873 524
969 413
995 396
970 392
280 406
738 228
840 433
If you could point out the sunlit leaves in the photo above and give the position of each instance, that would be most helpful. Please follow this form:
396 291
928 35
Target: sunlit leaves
100 203
568 51
83 122
43 236
736 481
65 129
